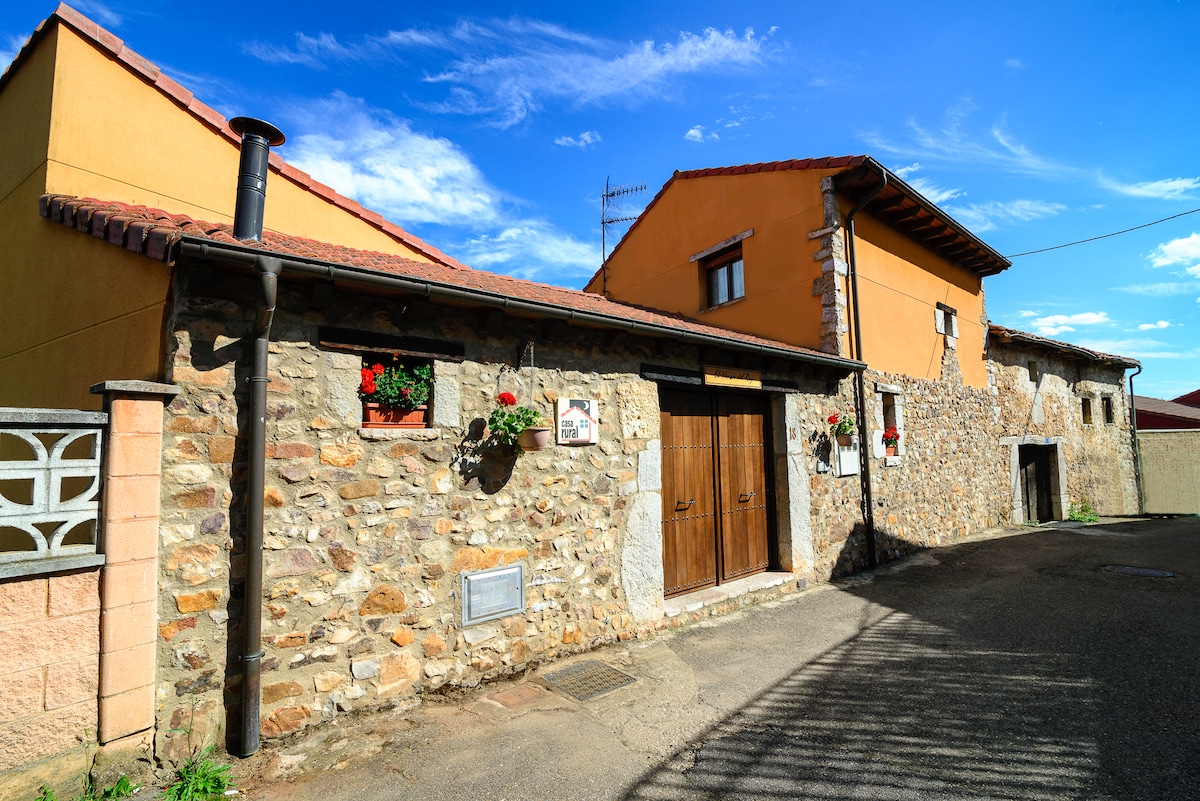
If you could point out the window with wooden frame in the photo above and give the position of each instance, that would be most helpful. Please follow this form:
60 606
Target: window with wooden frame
1107 405
721 271
724 276
1087 411
945 321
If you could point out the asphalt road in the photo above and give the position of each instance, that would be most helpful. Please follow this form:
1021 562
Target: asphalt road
1012 667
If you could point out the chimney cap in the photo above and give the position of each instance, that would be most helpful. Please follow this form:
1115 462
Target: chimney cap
243 126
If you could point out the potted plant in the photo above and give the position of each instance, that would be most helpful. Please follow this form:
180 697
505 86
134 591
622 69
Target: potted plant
842 428
396 395
517 425
891 438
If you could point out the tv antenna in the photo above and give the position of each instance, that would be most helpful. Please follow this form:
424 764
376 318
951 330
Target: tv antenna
610 210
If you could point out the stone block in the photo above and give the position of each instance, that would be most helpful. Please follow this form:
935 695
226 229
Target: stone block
198 602
131 498
22 694
48 642
328 681
383 600
133 455
284 721
126 713
272 693
125 670
398 673
72 682
62 773
128 540
133 416
126 626
74 592
22 600
221 450
129 583
47 735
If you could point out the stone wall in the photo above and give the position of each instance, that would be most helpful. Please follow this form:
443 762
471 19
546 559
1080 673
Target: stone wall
1170 471
49 677
368 532
1098 456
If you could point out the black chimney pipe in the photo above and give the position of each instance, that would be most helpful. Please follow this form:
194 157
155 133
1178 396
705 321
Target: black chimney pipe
258 138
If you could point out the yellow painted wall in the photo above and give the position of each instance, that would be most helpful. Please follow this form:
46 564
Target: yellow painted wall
651 267
74 310
115 137
899 286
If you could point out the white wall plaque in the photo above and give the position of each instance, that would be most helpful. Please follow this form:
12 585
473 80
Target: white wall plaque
489 594
577 421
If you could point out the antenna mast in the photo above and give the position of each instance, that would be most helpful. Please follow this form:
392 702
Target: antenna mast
610 214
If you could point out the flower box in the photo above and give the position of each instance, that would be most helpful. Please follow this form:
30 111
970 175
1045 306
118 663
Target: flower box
376 415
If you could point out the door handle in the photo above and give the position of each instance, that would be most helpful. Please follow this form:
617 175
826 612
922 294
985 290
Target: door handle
745 496
683 505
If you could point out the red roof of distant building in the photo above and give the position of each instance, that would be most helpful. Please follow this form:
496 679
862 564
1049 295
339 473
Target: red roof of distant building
1190 399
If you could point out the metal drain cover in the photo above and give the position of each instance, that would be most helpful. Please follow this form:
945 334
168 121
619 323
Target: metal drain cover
586 680
1145 572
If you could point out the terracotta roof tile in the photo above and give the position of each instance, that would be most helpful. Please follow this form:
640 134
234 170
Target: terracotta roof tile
151 74
156 234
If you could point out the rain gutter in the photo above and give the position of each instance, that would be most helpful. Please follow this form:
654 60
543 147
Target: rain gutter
200 248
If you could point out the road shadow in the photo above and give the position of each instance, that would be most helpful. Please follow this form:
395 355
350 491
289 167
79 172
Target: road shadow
1013 668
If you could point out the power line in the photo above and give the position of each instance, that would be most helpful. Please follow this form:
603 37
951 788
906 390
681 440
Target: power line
1104 236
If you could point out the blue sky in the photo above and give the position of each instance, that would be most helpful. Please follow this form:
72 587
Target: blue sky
489 130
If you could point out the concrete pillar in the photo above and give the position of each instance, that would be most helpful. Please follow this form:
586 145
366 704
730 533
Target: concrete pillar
129 541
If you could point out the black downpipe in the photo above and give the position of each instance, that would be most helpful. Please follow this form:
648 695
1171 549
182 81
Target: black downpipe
269 269
258 138
864 463
1137 458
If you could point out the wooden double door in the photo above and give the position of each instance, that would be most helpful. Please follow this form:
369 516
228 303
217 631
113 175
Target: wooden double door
716 495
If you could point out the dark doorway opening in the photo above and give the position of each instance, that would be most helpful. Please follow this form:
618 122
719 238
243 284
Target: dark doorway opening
1037 479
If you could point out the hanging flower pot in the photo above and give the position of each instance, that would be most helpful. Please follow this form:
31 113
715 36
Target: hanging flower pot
845 440
890 451
535 438
377 415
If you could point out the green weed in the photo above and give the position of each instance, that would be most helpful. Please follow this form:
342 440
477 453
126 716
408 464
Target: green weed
199 779
1082 512
119 791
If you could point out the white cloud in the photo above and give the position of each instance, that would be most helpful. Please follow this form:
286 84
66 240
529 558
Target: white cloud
1055 324
507 69
1027 313
1177 251
8 51
380 161
1193 270
412 178
986 216
1162 290
1014 64
697 134
904 172
532 249
98 11
935 194
586 138
1152 326
1165 189
1137 348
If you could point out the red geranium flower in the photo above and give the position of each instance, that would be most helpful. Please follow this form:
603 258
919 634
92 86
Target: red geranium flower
506 399
377 369
833 419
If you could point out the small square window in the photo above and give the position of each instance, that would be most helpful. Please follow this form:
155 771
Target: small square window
1107 404
945 321
1034 375
1087 411
725 278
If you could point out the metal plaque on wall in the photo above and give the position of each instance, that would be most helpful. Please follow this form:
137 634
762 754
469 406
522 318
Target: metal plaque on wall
489 594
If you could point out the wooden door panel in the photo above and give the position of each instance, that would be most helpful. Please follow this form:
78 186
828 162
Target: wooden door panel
741 476
689 503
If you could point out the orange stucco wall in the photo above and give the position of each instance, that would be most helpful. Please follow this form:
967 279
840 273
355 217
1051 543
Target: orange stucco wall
651 266
75 311
900 284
